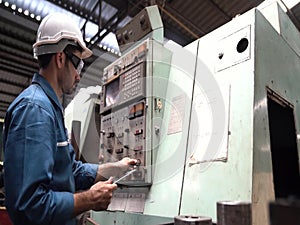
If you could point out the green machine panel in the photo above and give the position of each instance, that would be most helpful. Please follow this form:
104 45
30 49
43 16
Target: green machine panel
241 156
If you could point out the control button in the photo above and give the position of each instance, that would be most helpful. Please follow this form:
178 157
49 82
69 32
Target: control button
139 131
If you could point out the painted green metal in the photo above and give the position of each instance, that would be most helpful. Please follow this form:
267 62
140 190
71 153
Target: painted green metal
228 178
164 195
121 218
247 173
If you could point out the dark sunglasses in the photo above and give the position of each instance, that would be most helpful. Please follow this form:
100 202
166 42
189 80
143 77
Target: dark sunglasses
76 61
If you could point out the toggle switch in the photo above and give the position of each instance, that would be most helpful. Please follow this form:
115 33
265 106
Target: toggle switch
110 135
138 148
127 130
138 162
119 151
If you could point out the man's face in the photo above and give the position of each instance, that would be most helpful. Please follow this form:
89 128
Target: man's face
71 75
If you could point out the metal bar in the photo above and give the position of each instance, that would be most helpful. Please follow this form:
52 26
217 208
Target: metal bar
118 4
19 85
19 44
4 104
8 27
291 14
8 93
182 18
15 70
75 9
17 65
3 109
6 98
107 24
110 25
179 22
29 24
88 19
16 52
100 14
217 8
22 61
124 176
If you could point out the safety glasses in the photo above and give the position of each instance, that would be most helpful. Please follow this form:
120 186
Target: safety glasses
76 61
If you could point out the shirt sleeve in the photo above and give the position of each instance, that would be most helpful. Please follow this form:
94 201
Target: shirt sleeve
30 149
85 175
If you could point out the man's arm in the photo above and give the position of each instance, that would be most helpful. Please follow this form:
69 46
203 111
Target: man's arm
99 195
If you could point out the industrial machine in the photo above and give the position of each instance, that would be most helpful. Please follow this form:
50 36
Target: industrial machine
213 124
82 120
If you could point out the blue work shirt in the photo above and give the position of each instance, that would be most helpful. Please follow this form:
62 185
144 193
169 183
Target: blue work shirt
40 170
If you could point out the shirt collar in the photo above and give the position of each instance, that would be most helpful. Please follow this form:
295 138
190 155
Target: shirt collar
41 81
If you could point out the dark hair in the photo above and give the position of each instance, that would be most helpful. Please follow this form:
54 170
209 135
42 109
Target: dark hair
72 48
44 60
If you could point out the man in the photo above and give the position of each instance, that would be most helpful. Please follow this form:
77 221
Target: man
42 178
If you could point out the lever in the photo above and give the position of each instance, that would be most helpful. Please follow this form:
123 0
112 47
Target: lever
126 175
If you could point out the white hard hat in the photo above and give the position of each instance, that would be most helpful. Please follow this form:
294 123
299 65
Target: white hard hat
55 32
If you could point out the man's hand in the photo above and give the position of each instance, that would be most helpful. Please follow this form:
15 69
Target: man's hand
114 169
125 164
101 194
96 198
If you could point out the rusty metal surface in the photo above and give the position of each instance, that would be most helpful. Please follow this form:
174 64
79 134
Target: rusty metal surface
233 213
192 220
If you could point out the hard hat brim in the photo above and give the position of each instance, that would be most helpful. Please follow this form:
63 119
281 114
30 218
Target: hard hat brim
48 47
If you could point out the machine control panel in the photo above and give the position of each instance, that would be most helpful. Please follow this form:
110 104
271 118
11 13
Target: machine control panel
130 59
130 110
123 134
125 79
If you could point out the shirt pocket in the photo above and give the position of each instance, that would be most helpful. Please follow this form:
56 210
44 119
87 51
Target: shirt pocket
63 161
62 171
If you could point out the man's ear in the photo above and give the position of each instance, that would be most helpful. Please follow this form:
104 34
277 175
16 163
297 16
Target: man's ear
60 59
